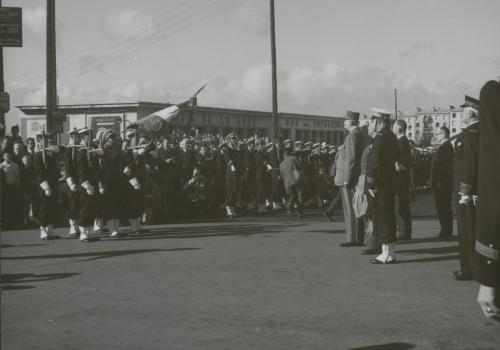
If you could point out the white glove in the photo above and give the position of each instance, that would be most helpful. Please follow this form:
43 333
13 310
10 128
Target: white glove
101 188
269 167
48 192
73 188
88 187
464 199
233 168
135 183
372 193
127 171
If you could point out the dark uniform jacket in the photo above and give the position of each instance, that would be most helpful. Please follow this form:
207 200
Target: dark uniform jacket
354 145
380 170
46 168
487 258
404 158
70 166
260 165
467 160
442 165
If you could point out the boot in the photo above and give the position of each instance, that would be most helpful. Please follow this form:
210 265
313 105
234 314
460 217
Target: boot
73 228
391 258
113 226
99 225
84 234
43 233
382 258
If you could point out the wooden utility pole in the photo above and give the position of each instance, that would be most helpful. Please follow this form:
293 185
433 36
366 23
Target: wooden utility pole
275 126
51 83
3 127
396 103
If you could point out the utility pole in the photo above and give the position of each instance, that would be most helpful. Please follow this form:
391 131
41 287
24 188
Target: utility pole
3 127
51 83
396 103
275 126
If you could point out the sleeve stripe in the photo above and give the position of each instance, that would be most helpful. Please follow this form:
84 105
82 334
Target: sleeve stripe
486 251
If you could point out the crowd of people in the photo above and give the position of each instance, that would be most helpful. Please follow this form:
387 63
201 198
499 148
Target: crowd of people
99 180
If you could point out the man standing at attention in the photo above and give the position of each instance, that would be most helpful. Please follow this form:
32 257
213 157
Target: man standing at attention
354 145
442 181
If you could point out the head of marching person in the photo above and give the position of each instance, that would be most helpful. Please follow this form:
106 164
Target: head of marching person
399 128
269 147
185 144
352 120
443 134
74 137
231 141
259 145
324 148
84 134
307 146
251 144
41 138
297 146
130 135
470 111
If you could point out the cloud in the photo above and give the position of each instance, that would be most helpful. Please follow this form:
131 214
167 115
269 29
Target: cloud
35 20
129 24
417 48
253 15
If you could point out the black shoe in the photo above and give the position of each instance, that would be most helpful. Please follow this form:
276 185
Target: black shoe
328 215
460 276
351 244
371 252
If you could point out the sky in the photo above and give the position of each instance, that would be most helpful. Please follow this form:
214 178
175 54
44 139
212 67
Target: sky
332 55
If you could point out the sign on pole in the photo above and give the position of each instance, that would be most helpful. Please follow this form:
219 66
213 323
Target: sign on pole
4 102
11 27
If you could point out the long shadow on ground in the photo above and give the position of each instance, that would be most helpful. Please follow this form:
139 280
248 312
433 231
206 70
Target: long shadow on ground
209 231
12 278
388 346
95 255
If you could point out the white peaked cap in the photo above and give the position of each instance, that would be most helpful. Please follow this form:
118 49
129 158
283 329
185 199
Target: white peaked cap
168 113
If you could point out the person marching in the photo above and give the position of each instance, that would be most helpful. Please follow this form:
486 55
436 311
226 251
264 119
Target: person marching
260 176
71 174
232 159
111 194
381 184
88 178
290 172
134 174
47 175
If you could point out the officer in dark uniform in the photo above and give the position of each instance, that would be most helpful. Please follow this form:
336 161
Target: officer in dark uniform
71 174
487 257
260 175
466 169
47 175
403 165
381 184
442 181
273 165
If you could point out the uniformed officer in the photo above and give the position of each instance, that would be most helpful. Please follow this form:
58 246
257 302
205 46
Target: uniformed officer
232 160
260 175
487 257
47 175
71 174
381 184
466 169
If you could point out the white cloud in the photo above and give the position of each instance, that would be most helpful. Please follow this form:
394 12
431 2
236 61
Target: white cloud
417 48
35 20
129 24
253 15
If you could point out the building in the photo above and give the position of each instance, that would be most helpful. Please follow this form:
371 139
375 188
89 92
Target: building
424 124
245 123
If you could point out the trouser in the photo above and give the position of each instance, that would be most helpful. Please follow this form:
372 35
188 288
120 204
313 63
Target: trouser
384 218
276 186
294 193
337 196
87 208
73 204
466 221
442 200
403 214
231 190
354 226
47 210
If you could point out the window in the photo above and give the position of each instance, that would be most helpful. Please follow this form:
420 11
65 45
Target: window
417 133
418 125
454 115
453 130
409 134
437 125
409 127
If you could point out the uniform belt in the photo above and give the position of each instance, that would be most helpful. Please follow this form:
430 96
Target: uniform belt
486 251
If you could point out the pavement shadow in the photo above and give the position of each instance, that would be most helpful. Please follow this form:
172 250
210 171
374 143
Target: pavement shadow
96 255
208 231
388 346
438 250
330 232
428 240
437 258
8 279
22 245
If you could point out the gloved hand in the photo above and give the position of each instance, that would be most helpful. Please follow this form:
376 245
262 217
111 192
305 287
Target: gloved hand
48 192
127 171
90 190
464 199
73 188
233 168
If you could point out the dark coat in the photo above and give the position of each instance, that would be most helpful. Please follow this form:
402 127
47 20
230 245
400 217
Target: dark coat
404 158
442 165
487 259
354 145
467 160
380 170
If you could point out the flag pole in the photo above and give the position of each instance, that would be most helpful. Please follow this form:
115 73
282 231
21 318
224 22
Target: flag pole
273 75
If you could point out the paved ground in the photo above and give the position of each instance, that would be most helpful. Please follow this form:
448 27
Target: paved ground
249 283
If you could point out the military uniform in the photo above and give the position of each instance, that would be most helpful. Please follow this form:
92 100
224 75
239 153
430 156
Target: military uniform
71 174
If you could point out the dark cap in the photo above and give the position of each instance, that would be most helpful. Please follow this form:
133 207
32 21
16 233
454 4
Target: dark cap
470 102
354 116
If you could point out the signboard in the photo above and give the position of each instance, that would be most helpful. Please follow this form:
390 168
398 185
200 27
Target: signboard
112 123
4 102
11 27
33 126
